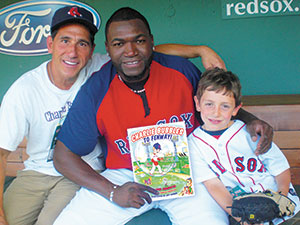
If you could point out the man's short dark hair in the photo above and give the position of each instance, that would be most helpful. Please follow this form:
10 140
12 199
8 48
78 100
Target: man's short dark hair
125 14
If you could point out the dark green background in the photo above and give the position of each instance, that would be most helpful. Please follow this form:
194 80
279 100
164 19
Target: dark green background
263 51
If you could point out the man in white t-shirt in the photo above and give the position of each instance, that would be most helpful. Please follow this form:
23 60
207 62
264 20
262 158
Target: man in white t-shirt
35 107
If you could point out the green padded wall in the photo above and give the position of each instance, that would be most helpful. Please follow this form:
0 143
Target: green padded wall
263 51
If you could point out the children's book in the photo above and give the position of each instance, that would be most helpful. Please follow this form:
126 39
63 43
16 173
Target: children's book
160 159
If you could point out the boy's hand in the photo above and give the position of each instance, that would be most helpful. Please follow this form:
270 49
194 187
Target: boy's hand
132 194
259 127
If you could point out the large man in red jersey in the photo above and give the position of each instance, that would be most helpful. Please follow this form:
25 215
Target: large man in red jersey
138 87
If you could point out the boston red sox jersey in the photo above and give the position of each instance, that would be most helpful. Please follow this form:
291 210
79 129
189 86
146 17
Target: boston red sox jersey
33 107
105 106
232 159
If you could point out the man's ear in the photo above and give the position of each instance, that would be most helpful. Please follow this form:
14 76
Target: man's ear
49 44
152 41
106 47
236 109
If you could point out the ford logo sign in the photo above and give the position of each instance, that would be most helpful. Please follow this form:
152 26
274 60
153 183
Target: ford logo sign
25 26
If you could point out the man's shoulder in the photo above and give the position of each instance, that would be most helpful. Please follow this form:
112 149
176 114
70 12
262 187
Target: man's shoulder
99 83
179 64
97 61
172 60
29 79
100 57
104 73
24 90
37 71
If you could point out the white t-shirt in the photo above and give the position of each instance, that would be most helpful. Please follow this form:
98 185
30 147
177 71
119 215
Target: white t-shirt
33 107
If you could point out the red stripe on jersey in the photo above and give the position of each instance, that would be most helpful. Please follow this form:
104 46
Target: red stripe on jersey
208 145
227 151
218 158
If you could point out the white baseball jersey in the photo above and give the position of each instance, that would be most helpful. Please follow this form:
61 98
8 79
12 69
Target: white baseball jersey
231 158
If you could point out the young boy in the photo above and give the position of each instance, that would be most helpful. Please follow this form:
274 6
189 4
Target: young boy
222 152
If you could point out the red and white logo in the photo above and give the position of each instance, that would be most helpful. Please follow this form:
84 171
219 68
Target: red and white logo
74 12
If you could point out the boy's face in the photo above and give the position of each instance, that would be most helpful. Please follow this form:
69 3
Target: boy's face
216 109
155 150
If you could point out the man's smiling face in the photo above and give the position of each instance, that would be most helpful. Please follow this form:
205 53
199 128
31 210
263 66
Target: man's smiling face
130 47
71 49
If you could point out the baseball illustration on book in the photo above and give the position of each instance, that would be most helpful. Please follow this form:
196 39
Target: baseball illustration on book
160 159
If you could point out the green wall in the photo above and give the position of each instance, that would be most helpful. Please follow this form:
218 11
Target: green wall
263 51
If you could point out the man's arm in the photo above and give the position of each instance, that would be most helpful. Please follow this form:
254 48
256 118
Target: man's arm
3 158
257 127
74 168
210 58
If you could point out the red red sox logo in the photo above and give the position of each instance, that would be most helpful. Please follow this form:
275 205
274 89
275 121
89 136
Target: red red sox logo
74 12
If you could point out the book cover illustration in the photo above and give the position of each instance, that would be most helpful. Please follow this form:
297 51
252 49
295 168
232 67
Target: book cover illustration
160 159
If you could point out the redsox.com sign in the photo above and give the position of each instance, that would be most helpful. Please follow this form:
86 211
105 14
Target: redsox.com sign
255 8
25 26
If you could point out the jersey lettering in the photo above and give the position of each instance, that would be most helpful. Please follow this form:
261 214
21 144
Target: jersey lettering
186 117
239 162
173 119
214 171
161 122
219 166
251 165
122 146
262 169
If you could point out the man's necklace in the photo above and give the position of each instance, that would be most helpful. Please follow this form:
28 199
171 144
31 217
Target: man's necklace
133 90
138 91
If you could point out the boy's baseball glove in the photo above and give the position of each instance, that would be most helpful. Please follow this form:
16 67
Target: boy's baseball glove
262 206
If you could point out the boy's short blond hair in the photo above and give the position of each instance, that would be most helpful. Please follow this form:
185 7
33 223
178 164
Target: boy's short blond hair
219 80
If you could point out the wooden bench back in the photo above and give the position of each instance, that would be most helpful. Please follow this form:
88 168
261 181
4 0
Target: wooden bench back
15 160
278 111
284 116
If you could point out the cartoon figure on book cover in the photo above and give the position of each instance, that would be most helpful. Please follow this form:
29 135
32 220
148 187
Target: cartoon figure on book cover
155 158
188 189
